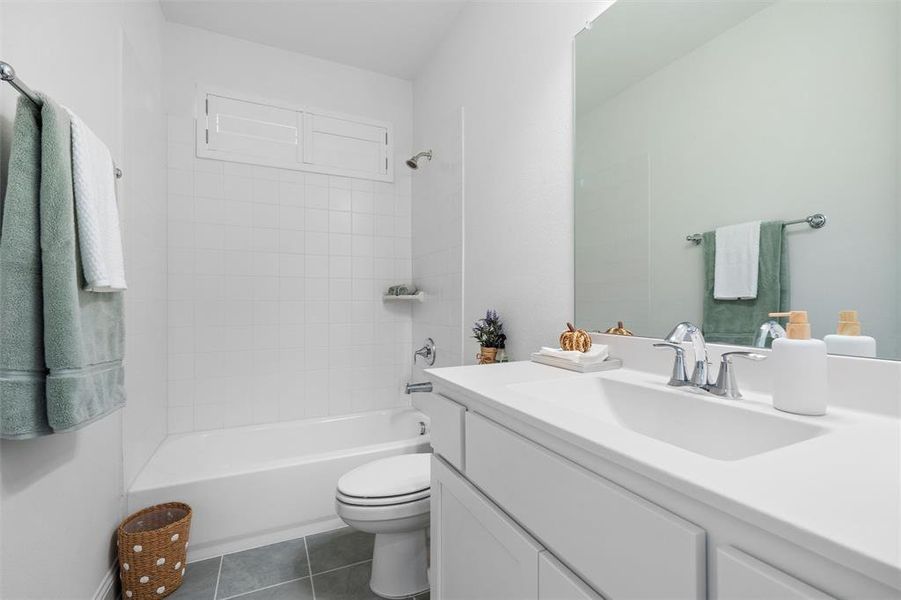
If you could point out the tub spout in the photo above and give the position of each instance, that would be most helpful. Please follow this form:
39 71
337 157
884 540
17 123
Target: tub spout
425 386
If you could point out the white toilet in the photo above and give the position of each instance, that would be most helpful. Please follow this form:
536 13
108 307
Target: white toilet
390 497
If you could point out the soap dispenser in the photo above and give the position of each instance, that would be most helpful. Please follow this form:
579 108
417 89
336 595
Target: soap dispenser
847 339
799 384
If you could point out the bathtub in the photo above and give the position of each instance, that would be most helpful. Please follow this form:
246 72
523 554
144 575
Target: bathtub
262 484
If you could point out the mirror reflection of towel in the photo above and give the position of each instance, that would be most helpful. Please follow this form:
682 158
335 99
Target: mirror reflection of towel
736 261
736 321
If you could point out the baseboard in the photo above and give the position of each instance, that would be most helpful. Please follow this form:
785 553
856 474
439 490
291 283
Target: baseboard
108 589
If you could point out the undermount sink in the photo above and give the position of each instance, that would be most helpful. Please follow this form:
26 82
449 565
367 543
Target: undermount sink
712 427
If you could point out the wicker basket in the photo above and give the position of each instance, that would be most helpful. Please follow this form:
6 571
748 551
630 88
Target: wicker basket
153 545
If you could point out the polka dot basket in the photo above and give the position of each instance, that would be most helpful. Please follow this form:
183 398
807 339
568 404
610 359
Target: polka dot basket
153 547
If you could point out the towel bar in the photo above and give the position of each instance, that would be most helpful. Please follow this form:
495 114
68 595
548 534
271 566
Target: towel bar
816 221
8 74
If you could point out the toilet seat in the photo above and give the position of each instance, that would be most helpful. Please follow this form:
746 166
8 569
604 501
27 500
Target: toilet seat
387 501
387 482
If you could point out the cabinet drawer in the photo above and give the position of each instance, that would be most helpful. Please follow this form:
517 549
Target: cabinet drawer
621 544
446 426
478 553
740 576
556 582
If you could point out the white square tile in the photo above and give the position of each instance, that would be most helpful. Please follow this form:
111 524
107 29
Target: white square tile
362 224
180 419
340 199
291 288
316 289
340 266
180 207
265 264
209 416
316 242
291 265
265 191
180 129
361 202
209 185
316 220
180 156
265 215
291 217
237 188
317 266
264 240
181 393
293 242
292 194
340 244
316 197
339 222
180 182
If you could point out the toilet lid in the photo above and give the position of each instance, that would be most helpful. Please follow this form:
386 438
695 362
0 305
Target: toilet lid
392 476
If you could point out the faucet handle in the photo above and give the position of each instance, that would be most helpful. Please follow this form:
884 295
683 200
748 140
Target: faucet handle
726 384
680 373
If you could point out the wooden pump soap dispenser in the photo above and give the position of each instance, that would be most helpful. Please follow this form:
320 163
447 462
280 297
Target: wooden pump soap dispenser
799 384
847 339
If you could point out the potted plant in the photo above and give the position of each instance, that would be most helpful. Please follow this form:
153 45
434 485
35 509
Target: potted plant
489 331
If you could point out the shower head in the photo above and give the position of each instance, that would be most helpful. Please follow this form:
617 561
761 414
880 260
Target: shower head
413 161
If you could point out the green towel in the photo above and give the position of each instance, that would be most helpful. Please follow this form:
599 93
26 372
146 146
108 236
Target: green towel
737 321
61 347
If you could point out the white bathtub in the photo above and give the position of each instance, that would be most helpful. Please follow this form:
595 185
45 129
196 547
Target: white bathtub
262 484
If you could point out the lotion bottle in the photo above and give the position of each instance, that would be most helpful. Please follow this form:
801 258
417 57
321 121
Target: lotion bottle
847 339
799 385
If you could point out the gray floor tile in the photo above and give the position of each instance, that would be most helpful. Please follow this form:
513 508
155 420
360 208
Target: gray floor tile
339 548
199 582
293 590
251 570
349 583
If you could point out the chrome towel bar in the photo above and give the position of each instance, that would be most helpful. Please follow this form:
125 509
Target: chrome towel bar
8 74
816 221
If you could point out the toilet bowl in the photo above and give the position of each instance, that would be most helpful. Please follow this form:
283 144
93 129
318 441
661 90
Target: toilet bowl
390 497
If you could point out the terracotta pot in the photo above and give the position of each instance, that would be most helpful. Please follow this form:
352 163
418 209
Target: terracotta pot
486 356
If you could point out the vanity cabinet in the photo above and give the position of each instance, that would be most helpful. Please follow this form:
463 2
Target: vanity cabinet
743 577
611 536
556 582
478 553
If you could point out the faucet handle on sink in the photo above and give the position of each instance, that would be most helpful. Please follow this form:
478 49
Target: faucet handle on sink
680 373
726 385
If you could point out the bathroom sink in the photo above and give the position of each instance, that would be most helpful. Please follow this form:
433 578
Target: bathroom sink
709 426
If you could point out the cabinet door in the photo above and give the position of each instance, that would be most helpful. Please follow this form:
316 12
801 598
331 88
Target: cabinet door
621 544
556 582
478 553
743 577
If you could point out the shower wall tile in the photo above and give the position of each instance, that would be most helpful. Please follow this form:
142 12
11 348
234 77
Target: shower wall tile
275 283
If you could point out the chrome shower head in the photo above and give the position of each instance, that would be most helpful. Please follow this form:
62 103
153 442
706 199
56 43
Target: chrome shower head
413 161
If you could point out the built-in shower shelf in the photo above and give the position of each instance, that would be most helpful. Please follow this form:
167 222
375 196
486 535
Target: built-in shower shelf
417 297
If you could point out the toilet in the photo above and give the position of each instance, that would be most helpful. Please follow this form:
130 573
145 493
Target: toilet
390 497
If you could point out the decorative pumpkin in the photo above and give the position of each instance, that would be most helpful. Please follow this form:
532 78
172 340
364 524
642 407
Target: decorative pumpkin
619 329
575 339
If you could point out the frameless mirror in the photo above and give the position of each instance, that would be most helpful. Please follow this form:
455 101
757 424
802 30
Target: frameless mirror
695 116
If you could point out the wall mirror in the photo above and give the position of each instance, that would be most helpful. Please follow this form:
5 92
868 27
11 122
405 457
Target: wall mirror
694 116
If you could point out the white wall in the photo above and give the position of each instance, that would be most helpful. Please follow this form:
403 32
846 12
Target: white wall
793 111
438 241
276 276
510 66
62 496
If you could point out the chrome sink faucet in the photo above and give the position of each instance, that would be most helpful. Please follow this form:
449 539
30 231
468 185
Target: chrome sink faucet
725 385
772 329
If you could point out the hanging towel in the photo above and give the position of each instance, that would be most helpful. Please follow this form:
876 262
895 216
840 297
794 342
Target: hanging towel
736 321
96 211
736 261
61 347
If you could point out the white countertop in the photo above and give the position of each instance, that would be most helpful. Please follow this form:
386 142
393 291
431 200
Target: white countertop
837 494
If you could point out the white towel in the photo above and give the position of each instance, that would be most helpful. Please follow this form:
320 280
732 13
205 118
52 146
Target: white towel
96 211
736 261
597 353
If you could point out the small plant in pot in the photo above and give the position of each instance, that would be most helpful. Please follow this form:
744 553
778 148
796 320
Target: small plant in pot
489 332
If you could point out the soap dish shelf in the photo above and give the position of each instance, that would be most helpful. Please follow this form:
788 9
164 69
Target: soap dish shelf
417 297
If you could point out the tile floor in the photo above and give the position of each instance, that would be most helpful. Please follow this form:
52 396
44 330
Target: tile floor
327 566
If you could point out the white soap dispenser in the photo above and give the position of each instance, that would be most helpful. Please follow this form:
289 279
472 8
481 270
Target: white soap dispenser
799 384
847 339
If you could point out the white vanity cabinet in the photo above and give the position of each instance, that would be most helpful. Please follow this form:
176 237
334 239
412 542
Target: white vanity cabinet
743 577
521 514
478 553
556 582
